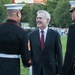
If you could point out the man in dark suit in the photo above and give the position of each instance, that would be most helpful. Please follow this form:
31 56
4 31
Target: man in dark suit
46 51
13 42
69 62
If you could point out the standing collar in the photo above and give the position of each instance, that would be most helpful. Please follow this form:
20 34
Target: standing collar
12 21
9 21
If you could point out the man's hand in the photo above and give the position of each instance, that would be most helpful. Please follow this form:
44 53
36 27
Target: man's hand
29 62
29 45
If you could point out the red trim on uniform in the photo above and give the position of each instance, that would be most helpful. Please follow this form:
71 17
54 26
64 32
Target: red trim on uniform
13 1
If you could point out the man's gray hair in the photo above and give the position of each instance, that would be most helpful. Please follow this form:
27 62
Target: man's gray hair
47 15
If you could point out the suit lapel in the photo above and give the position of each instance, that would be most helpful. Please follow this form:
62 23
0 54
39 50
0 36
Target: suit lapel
47 38
38 38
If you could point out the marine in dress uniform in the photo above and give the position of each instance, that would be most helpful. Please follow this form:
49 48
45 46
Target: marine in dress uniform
69 62
13 42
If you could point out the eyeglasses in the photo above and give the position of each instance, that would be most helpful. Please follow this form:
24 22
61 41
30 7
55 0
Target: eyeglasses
21 11
71 11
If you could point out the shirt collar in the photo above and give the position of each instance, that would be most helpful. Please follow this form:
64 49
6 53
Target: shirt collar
45 30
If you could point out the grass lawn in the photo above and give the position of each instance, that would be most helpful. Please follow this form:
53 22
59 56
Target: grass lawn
63 41
25 71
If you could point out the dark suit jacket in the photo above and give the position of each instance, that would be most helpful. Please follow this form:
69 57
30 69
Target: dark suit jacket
49 57
13 41
70 52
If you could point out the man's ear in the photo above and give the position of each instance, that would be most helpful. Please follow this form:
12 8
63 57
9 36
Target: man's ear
17 14
48 19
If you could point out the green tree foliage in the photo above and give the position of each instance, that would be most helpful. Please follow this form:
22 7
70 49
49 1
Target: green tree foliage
5 1
51 5
61 14
59 10
3 12
26 12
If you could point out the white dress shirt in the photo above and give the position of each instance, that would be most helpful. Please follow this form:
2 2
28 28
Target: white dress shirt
45 32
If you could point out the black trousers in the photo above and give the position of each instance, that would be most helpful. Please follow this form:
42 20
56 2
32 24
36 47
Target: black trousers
41 73
72 71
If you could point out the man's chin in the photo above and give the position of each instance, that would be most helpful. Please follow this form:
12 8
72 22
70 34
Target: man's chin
73 19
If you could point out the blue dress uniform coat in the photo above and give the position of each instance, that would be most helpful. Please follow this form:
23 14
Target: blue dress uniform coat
13 41
50 58
67 68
